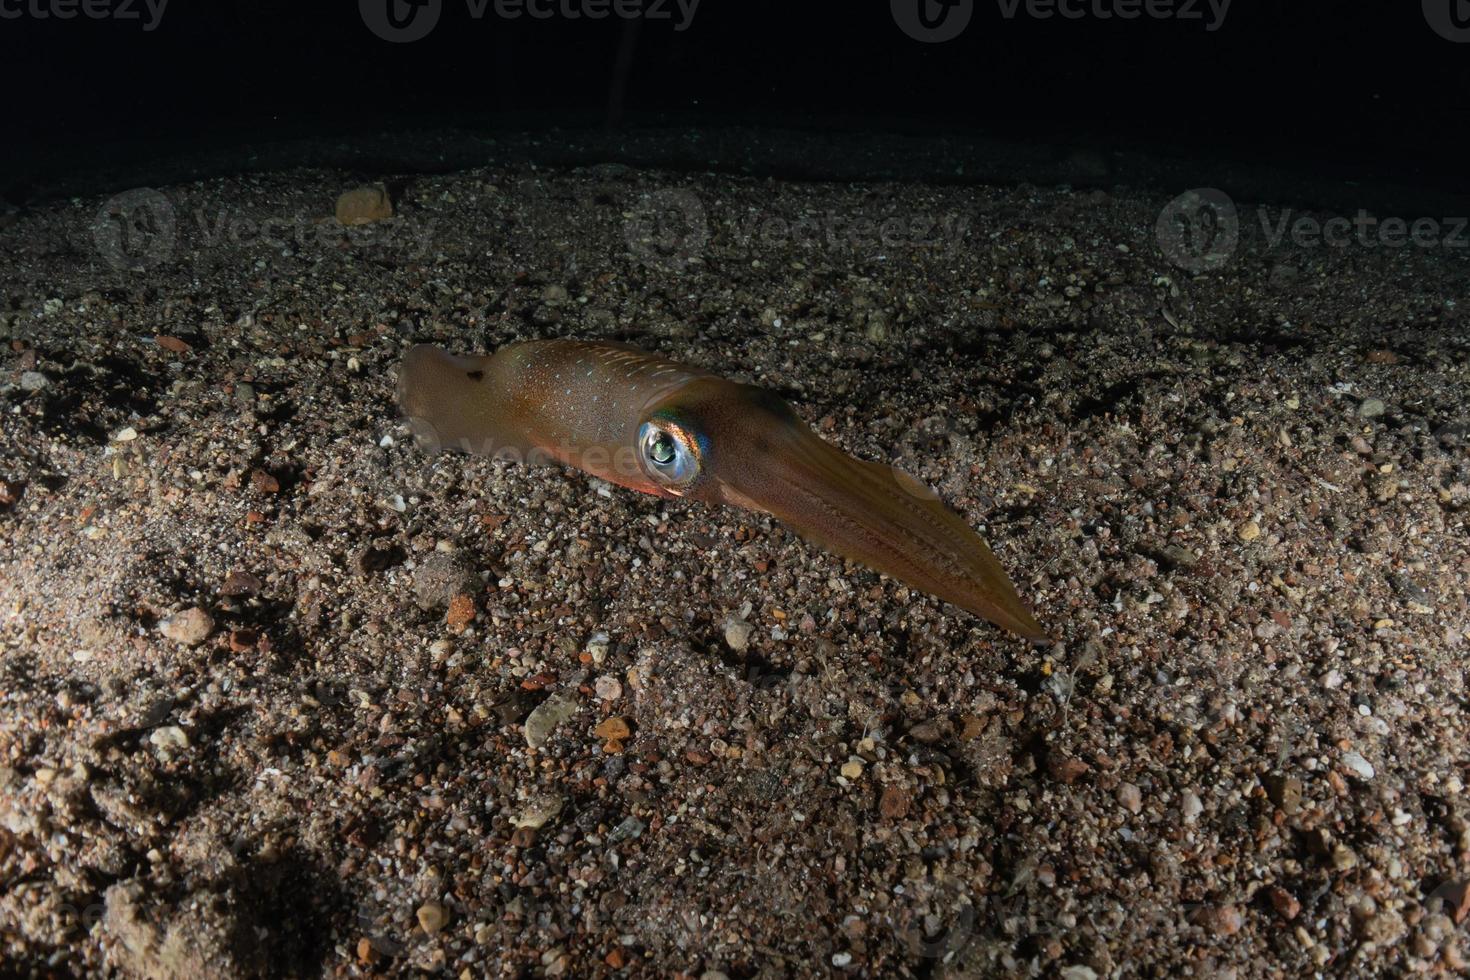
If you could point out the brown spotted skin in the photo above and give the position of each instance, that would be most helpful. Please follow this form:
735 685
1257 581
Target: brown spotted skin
583 403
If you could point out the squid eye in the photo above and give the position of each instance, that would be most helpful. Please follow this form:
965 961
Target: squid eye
661 449
671 454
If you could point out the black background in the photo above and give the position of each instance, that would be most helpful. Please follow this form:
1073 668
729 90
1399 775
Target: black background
1363 90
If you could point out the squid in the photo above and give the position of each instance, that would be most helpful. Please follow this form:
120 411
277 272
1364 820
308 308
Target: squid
675 431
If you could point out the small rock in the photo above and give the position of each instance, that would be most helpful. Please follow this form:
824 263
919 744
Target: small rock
536 815
927 732
1248 531
1284 791
239 583
615 729
364 205
608 688
1220 920
173 345
33 381
555 294
737 634
630 829
1284 902
1358 766
190 627
1456 896
550 713
264 482
1064 768
894 803
169 737
852 769
1371 408
597 647
1343 858
441 577
1131 797
1191 807
432 917
461 611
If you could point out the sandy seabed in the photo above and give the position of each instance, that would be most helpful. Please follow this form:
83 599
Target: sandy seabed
280 694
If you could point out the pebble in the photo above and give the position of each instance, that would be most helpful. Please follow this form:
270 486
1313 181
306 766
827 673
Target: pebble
190 627
1191 807
608 688
169 737
894 803
241 583
442 576
1284 902
1221 920
1343 857
536 815
1284 791
597 647
1131 797
630 829
852 768
364 205
1371 408
1358 766
33 381
737 634
550 713
1249 531
461 611
432 917
614 729
1456 895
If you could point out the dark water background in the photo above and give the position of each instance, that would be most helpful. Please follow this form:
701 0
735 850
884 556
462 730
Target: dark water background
1343 105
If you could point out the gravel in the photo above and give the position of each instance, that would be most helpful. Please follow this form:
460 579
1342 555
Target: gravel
280 694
